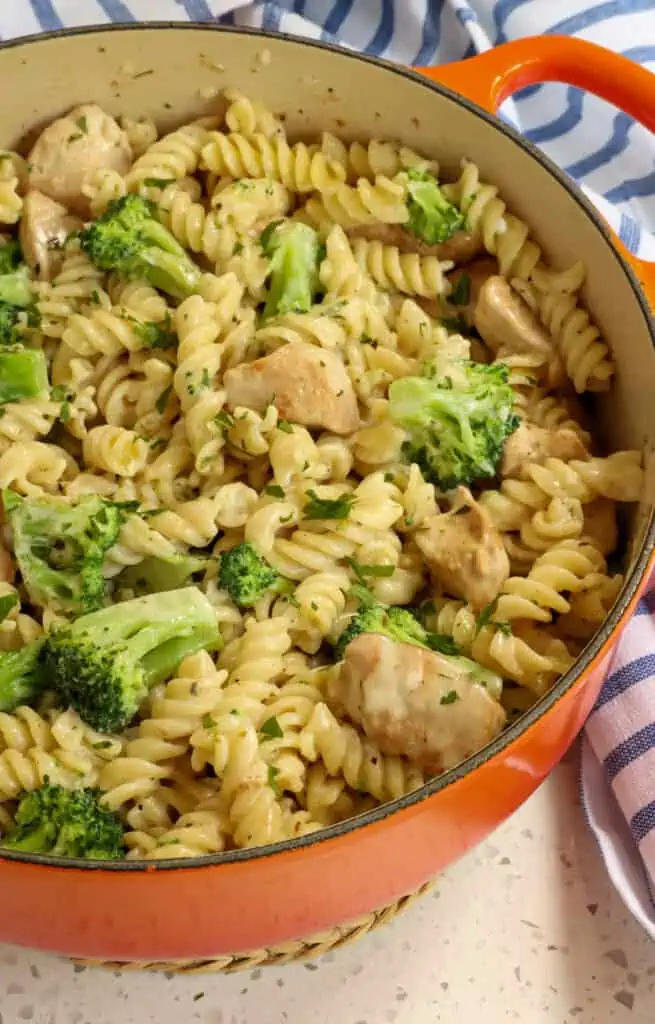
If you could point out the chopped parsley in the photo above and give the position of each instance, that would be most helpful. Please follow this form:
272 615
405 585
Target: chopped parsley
208 722
461 293
273 773
81 123
328 508
285 426
485 618
162 401
274 490
7 603
158 182
364 572
224 420
450 698
272 729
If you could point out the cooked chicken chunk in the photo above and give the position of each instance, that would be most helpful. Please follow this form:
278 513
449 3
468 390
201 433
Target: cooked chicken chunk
600 525
461 248
307 384
464 552
434 710
44 226
508 326
530 443
73 146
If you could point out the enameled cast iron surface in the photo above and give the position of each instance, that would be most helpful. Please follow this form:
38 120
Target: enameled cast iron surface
248 899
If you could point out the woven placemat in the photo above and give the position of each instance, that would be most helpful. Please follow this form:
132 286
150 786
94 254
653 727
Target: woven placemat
287 952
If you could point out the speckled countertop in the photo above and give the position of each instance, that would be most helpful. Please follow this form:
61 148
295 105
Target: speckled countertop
525 928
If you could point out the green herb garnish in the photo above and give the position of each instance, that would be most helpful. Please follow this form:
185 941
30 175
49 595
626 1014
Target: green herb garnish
328 508
272 729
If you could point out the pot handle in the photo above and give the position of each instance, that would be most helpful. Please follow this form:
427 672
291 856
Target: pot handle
495 75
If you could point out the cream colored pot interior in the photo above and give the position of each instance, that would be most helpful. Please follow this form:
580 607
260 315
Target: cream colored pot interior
174 73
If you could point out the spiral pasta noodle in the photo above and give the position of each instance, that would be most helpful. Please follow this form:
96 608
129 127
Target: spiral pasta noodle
363 766
300 167
249 117
408 273
173 156
375 157
115 450
254 410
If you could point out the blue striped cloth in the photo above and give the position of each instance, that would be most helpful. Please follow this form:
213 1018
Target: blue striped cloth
614 160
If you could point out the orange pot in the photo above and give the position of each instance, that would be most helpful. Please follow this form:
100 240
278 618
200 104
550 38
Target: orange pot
248 899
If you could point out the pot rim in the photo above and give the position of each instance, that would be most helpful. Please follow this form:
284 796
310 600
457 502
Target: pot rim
589 653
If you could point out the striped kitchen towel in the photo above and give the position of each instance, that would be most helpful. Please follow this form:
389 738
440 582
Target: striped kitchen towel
614 160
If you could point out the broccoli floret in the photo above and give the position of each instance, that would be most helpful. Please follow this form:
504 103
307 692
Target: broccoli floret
23 374
154 335
294 251
10 323
371 618
129 239
104 663
154 575
246 577
21 676
61 548
66 823
15 289
398 624
431 216
11 257
457 424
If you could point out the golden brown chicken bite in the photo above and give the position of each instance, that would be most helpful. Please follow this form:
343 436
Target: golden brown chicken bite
44 227
85 140
432 709
308 385
464 552
530 443
508 327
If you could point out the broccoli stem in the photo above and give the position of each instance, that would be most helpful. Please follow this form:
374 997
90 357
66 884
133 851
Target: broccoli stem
294 253
104 663
175 274
23 374
15 288
161 662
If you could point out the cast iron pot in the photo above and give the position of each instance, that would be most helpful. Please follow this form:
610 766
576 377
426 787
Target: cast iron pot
253 898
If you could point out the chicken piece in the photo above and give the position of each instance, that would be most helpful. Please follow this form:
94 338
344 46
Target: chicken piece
530 443
461 248
44 227
7 568
432 709
464 552
506 322
308 385
72 147
600 525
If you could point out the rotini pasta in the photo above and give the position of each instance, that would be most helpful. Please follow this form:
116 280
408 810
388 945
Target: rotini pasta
247 417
